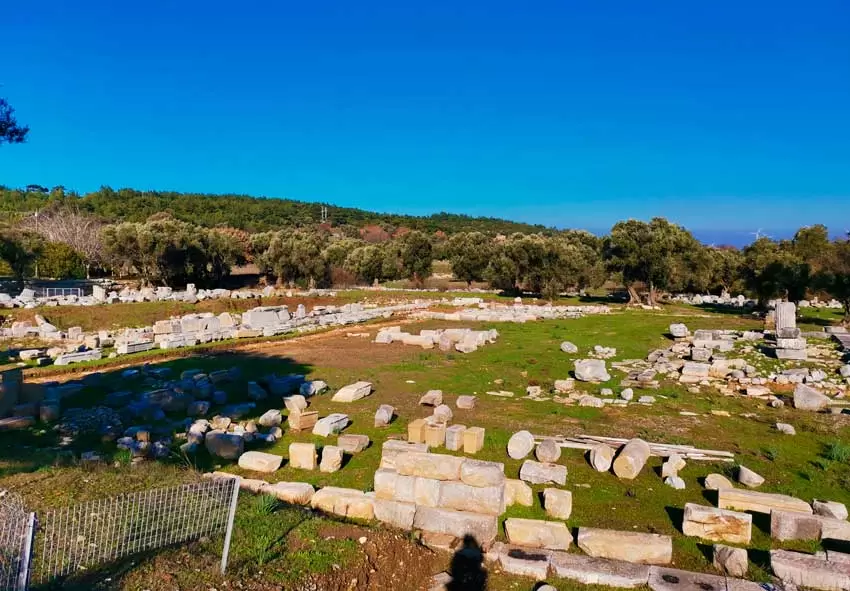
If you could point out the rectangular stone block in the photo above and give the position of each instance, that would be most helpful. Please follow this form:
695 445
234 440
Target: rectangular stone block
626 545
426 491
473 440
457 523
434 435
534 533
303 421
717 525
454 437
415 431
428 465
787 525
590 570
303 455
391 448
395 513
810 571
540 473
522 561
481 473
259 461
750 500
460 496
295 493
346 502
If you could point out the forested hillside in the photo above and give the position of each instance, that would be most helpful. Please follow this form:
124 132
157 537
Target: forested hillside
253 214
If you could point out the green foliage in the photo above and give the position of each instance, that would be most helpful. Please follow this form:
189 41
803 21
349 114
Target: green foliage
266 504
296 256
11 131
469 253
415 256
837 451
19 250
60 261
773 269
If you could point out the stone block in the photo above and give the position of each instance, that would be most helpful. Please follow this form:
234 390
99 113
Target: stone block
750 500
473 440
807 398
831 509
434 435
332 457
259 461
295 493
384 415
538 473
810 571
454 437
730 561
224 445
670 579
558 503
457 523
518 493
429 465
589 570
522 561
481 473
626 545
303 421
352 443
389 484
331 424
787 525
457 495
426 491
393 447
345 502
717 525
394 513
415 431
534 533
466 402
353 392
303 455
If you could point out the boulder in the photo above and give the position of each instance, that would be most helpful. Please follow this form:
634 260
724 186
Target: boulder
259 461
295 403
466 402
520 445
591 370
353 392
679 331
534 533
271 418
749 478
538 473
442 414
730 561
807 398
432 398
384 415
224 445
568 347
626 545
548 451
786 428
558 503
717 525
831 509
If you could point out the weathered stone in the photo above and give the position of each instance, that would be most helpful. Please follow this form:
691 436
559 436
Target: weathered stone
786 525
730 561
454 437
749 478
750 500
672 465
303 455
384 415
466 402
564 386
331 424
669 579
810 571
302 421
589 570
271 418
392 448
522 561
807 398
345 502
434 435
676 482
626 545
489 500
591 370
296 403
432 398
568 347
482 474
442 414
416 431
457 523
786 428
395 513
548 451
224 445
389 484
538 473
831 509
473 440
558 503
426 491
679 331
353 444
696 370
429 465
312 388
332 457
717 525
259 461
518 493
717 482
520 445
353 392
601 456
534 533
295 493
631 459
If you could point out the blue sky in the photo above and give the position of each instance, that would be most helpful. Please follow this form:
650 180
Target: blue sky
725 116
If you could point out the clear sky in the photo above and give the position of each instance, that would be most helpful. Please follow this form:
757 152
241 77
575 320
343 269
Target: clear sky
718 115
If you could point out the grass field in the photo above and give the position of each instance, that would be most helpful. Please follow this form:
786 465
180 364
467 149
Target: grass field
526 354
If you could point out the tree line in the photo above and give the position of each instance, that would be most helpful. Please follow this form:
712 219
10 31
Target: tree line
649 259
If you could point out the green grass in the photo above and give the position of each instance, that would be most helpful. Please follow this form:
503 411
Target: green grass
812 464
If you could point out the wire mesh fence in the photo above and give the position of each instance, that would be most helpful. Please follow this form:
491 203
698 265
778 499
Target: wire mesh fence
86 536
16 525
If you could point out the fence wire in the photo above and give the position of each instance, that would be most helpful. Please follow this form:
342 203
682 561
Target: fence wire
15 535
83 537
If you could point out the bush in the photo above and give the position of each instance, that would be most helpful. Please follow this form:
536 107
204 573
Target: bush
60 261
837 451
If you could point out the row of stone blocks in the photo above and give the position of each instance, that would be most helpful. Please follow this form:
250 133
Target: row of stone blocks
455 438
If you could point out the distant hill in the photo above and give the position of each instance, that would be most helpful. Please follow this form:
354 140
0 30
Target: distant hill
253 214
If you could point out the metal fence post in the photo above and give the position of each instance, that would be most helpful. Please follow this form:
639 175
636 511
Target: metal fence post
225 553
26 557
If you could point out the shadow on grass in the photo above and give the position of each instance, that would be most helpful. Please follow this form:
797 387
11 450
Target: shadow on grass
677 516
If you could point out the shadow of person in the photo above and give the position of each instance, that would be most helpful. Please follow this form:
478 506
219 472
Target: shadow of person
466 568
